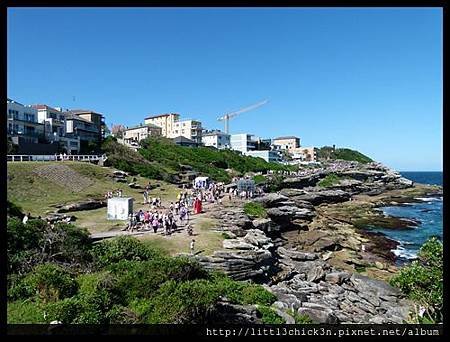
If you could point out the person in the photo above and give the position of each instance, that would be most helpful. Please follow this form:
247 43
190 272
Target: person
155 223
171 206
25 218
190 231
192 246
145 197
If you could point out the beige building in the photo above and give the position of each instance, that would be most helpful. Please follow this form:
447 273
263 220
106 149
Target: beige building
138 133
165 121
304 154
287 143
191 129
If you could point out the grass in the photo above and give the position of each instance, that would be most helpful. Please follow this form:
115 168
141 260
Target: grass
259 179
254 209
24 312
330 180
206 240
39 196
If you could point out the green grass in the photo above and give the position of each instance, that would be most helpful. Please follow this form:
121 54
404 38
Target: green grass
259 179
160 158
326 152
254 209
330 180
39 196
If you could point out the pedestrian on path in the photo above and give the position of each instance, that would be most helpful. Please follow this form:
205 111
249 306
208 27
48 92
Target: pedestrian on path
192 246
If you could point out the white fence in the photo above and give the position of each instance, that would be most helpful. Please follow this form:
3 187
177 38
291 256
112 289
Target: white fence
54 157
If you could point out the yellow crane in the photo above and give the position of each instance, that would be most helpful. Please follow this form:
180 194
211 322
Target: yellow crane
228 116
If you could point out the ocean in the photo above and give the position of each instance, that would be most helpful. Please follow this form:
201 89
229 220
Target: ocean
428 212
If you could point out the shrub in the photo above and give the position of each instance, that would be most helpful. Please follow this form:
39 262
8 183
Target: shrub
422 280
330 180
269 316
49 282
259 179
121 248
13 210
142 279
187 302
254 209
25 312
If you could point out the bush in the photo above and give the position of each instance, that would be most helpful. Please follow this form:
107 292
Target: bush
187 302
254 209
259 179
422 280
142 279
121 248
49 282
330 180
25 312
269 316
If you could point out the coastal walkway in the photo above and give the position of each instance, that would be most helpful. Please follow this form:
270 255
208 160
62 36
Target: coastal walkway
56 157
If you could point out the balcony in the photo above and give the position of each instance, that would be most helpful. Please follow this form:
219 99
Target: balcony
25 134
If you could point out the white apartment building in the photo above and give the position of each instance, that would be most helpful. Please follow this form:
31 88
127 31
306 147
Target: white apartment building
267 155
217 139
243 142
304 154
23 123
165 121
53 119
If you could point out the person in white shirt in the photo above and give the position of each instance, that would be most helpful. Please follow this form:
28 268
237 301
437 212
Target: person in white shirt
25 218
192 245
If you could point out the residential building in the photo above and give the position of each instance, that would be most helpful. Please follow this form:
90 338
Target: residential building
191 129
23 123
287 143
165 121
243 142
183 141
141 132
96 120
85 124
217 139
304 154
54 120
267 155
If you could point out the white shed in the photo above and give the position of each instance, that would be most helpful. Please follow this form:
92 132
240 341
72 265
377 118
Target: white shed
119 208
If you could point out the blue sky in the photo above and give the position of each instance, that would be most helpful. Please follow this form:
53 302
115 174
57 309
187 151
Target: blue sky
368 79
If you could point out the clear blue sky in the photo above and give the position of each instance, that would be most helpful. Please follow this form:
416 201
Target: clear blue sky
368 79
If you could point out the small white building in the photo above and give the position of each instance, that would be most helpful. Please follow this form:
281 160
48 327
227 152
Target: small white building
243 142
217 139
191 129
268 155
119 208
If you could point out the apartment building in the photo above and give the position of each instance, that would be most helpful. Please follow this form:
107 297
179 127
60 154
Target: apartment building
191 129
217 139
54 120
165 121
243 142
268 155
287 143
23 123
95 118
140 132
304 154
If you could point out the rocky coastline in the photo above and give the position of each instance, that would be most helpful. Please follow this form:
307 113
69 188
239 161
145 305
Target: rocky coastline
313 249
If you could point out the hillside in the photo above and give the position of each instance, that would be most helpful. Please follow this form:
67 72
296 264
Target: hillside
327 153
159 158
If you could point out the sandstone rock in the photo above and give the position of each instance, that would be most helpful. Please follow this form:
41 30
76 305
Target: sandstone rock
337 277
315 274
324 315
271 200
237 244
83 205
266 225
295 255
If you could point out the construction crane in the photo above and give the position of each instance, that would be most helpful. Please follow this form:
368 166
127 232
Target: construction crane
228 116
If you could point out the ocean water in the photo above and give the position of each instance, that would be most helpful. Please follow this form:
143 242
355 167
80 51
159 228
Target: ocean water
428 212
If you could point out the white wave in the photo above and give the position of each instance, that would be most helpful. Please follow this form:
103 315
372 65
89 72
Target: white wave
403 253
428 199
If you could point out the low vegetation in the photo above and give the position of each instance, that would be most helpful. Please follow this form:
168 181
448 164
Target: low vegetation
121 280
254 209
330 180
160 158
328 153
422 281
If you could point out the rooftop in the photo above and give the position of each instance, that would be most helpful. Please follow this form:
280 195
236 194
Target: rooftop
160 115
43 106
83 111
141 126
286 137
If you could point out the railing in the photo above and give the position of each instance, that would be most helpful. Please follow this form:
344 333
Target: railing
57 157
